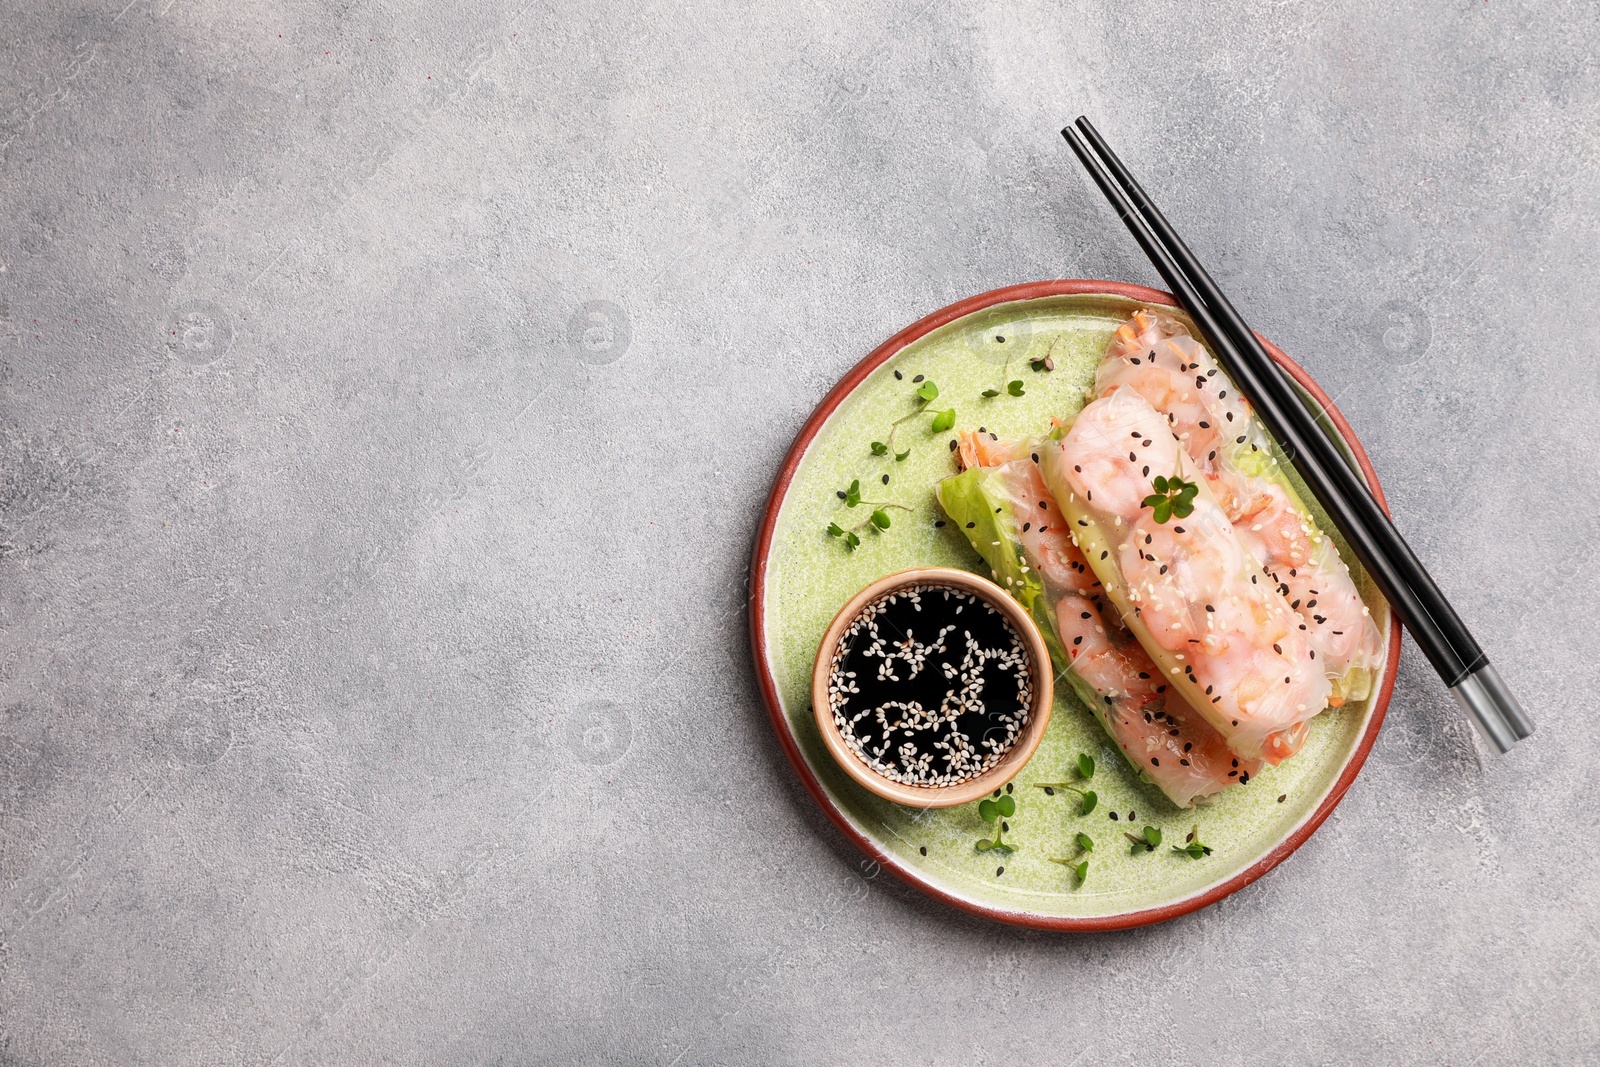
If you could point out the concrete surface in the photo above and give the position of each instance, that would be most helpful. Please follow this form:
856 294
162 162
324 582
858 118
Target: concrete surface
391 390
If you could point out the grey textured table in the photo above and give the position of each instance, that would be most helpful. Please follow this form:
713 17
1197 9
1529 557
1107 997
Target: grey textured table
388 395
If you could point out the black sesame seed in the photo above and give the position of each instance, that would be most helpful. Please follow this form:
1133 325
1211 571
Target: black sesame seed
1282 797
998 871
1113 816
1008 787
952 445
970 525
1154 762
938 522
918 378
924 848
885 479
901 377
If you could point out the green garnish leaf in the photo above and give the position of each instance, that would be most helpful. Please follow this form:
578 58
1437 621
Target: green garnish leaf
1152 836
1173 496
1085 842
1082 871
989 393
1001 846
1015 388
944 420
983 844
1085 765
880 519
851 540
1195 849
1089 801
835 530
988 810
899 456
1007 805
879 448
928 391
852 495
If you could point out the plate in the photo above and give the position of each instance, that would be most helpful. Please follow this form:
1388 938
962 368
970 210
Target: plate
801 576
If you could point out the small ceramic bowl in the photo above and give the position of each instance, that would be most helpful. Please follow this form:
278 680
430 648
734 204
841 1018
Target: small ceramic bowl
1016 756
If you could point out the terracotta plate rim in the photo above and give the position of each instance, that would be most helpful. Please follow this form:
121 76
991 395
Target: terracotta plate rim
769 685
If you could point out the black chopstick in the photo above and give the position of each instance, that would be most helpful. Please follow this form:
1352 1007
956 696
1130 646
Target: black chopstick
1401 577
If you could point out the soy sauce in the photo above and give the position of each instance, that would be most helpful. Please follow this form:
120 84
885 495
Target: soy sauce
930 686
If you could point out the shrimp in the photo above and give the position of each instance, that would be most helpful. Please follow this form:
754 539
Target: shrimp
1115 453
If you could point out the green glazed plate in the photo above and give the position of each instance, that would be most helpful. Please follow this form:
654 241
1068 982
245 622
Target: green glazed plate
801 577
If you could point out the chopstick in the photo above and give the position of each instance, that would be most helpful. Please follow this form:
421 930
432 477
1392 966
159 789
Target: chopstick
1410 590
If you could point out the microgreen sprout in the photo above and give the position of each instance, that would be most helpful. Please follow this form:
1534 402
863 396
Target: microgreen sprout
1148 839
996 810
1173 496
1194 849
1078 865
927 392
877 521
1047 362
1013 386
1087 798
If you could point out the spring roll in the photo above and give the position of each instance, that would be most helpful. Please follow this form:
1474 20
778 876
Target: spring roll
1154 355
1188 586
